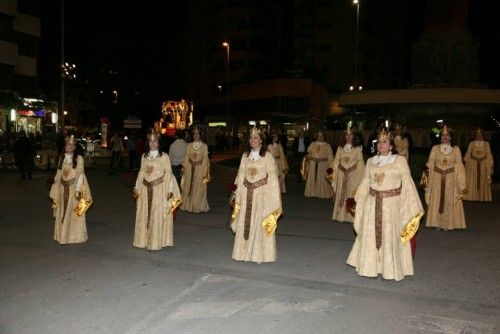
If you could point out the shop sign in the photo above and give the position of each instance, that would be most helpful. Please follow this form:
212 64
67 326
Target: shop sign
32 113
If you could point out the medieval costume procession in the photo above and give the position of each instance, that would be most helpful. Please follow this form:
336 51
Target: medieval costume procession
388 213
249 167
379 198
158 196
257 203
71 197
348 170
446 185
196 168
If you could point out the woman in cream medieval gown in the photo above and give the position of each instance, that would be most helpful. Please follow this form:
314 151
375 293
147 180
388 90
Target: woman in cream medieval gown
157 196
445 185
71 197
388 213
257 204
478 169
318 160
196 175
348 169
277 152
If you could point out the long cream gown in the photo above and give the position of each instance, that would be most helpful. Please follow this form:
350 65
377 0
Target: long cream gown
259 198
320 157
196 175
478 170
159 194
69 228
445 185
277 152
392 187
348 170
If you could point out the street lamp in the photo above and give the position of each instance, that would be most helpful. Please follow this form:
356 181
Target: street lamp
228 47
356 3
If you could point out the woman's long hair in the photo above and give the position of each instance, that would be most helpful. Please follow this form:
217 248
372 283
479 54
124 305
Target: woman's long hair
147 148
263 147
75 157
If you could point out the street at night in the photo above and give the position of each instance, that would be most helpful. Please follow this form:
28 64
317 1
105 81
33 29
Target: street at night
108 286
249 166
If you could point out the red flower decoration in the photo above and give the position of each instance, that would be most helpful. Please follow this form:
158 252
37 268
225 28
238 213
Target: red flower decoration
350 206
329 170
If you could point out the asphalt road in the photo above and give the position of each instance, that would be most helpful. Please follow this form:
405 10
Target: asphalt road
108 286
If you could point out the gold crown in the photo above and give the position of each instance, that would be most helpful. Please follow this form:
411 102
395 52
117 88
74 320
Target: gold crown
349 128
153 135
255 131
71 140
445 130
384 134
398 126
479 130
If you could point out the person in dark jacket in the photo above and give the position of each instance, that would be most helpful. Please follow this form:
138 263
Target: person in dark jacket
24 153
300 145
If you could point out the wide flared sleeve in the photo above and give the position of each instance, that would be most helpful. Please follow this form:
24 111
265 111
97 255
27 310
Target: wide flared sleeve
80 170
460 173
284 161
57 177
360 197
173 192
54 188
430 172
489 160
361 165
206 165
237 192
411 210
272 207
140 176
240 177
335 170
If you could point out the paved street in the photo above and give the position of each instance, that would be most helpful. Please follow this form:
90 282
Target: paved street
108 286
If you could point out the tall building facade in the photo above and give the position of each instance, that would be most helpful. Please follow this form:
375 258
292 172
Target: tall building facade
20 33
324 41
260 82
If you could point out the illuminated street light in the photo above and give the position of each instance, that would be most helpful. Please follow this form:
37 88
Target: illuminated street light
228 47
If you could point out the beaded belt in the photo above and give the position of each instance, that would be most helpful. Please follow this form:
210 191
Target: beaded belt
194 164
150 186
379 197
248 212
66 185
443 173
317 160
478 164
346 172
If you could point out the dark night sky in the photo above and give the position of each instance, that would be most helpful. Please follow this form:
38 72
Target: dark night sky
143 41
